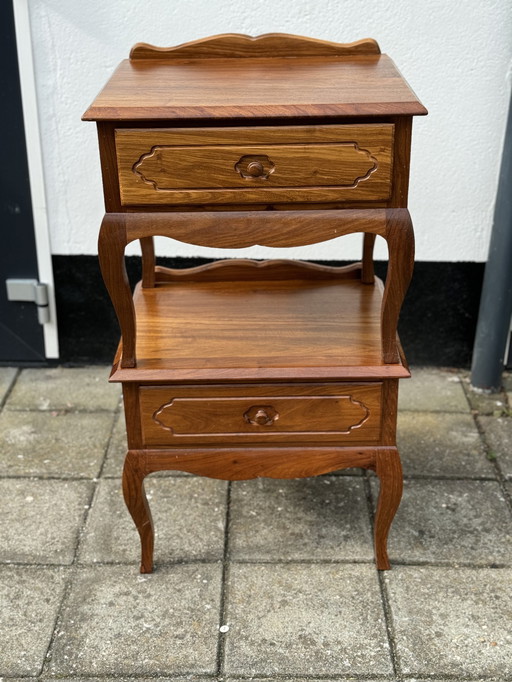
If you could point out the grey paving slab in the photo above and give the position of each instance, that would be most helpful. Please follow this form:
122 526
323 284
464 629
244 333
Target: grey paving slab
116 452
483 402
305 619
41 519
436 444
63 388
53 444
116 622
189 516
453 522
507 385
452 621
498 434
323 517
30 598
348 679
431 389
123 678
7 376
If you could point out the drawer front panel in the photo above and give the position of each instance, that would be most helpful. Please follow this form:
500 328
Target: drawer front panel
335 413
258 165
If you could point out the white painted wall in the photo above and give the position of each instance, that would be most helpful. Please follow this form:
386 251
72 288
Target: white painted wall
456 56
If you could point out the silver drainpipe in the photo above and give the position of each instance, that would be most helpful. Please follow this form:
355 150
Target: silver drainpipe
495 312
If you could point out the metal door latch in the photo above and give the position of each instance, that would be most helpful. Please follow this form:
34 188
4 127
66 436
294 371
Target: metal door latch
30 290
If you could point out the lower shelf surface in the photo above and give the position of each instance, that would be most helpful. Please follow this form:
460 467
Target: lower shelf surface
259 329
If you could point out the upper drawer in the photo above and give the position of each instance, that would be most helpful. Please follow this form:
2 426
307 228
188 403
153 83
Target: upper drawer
255 165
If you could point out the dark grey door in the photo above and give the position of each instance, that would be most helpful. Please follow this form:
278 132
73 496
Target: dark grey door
21 335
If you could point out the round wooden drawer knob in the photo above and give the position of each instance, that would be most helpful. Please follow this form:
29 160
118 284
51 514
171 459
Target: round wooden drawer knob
261 415
249 167
255 169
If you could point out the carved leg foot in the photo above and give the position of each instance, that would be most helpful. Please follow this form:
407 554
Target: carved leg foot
389 471
137 503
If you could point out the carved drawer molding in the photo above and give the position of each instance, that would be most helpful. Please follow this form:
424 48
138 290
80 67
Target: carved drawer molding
262 418
225 165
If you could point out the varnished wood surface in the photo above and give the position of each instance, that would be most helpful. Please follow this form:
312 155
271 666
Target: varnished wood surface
273 413
209 165
274 324
400 239
111 247
248 228
240 369
250 462
151 89
134 471
245 269
239 46
239 229
147 247
389 470
151 373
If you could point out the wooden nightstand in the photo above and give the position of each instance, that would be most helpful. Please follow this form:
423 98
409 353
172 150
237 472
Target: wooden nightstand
240 369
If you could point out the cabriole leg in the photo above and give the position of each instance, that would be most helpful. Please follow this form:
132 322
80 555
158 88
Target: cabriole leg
137 503
389 470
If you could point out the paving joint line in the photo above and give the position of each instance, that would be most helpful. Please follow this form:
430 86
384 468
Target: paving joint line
63 410
261 562
57 622
9 390
74 564
177 474
93 494
390 630
466 387
221 640
221 678
279 676
501 478
370 502
275 676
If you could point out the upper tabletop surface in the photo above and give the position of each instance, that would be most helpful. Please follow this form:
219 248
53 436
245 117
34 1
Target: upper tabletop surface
170 84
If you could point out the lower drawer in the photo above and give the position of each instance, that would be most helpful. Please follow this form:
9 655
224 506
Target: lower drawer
279 413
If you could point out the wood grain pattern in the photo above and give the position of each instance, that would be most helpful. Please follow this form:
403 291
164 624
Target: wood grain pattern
239 46
274 229
133 420
368 271
154 373
240 369
262 88
109 170
390 400
134 472
235 464
401 162
389 470
286 323
306 413
241 464
400 239
148 262
245 269
239 229
163 166
111 246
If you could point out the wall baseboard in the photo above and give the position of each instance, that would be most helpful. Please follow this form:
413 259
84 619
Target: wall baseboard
437 325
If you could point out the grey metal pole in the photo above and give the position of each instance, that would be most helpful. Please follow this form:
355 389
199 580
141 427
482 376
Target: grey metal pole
496 301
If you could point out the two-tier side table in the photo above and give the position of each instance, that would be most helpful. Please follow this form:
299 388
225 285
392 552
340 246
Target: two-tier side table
240 368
